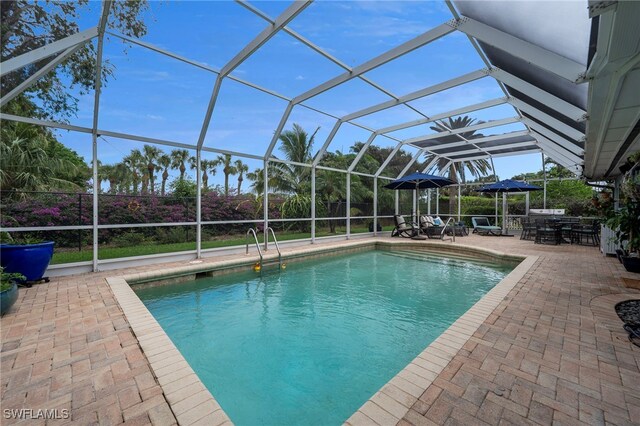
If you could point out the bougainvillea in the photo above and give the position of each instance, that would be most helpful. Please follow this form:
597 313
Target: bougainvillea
64 209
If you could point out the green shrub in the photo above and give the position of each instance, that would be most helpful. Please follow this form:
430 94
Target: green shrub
173 235
128 239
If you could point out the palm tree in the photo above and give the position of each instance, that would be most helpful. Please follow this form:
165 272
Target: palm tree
257 177
105 173
297 147
164 161
134 162
151 155
476 167
227 168
179 158
205 165
115 174
241 168
25 165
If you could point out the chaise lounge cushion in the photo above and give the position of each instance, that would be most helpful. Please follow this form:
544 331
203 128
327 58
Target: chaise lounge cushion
482 226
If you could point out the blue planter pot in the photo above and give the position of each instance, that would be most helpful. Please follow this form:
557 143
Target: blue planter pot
8 298
30 260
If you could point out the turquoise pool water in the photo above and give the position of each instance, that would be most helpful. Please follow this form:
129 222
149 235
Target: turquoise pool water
310 345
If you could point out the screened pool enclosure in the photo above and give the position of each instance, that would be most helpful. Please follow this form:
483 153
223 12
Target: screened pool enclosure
533 79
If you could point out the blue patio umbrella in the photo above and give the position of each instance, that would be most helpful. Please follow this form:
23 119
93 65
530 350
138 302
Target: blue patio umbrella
505 186
508 185
417 181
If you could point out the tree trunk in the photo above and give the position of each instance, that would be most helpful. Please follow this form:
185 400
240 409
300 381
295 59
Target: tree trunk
452 191
151 178
183 169
226 184
165 176
240 179
135 183
205 180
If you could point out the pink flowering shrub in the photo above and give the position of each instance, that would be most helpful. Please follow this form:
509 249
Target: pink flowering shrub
63 209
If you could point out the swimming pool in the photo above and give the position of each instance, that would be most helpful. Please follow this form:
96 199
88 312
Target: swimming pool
311 344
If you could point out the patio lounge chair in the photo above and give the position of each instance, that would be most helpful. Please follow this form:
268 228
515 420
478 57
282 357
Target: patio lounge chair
482 226
429 228
403 229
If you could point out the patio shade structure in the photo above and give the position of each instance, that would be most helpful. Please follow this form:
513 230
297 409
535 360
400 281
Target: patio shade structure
416 181
503 187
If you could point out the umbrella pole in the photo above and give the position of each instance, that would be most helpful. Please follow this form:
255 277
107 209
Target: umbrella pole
417 205
416 198
505 229
504 213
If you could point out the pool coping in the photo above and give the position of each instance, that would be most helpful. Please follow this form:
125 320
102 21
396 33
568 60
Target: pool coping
192 403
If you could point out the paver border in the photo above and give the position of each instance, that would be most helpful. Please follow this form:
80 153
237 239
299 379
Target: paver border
193 404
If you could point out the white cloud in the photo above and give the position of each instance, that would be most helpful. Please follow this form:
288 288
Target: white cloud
299 77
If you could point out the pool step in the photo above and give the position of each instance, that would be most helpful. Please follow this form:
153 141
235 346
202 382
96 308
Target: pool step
438 257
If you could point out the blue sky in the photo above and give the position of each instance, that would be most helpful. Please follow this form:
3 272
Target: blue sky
157 96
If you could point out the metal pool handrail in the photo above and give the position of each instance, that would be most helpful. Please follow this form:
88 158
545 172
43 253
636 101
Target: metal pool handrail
255 238
453 238
275 240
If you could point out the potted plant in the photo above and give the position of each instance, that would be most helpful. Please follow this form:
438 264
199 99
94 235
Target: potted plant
8 289
626 223
27 257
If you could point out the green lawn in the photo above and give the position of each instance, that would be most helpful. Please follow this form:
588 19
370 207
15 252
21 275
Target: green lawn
152 248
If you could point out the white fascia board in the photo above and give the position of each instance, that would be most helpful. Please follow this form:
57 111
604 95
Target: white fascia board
533 54
326 144
547 119
390 55
559 140
362 151
485 125
542 96
388 160
36 76
549 145
600 60
441 116
285 17
413 160
457 81
48 50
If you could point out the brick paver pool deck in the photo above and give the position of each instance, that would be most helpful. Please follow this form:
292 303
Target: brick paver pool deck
552 352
